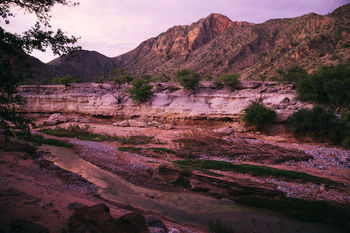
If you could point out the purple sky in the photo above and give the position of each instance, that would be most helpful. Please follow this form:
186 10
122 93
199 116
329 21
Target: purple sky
113 27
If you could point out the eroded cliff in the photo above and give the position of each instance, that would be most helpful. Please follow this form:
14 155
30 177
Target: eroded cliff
166 104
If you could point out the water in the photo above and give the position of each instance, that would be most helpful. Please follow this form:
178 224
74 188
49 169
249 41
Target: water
182 207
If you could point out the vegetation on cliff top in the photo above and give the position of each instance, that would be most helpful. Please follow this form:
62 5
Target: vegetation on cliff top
258 116
188 79
141 90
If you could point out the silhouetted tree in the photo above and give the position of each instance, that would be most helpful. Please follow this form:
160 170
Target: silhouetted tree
14 49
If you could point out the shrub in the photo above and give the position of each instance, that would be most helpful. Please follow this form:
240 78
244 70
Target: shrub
346 143
76 131
188 79
122 79
140 91
38 139
327 85
290 74
230 80
258 116
66 80
318 123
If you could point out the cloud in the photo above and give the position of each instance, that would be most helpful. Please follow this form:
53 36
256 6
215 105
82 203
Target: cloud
115 27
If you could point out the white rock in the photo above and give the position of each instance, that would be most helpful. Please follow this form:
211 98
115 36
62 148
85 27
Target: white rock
226 131
140 124
121 123
58 117
174 230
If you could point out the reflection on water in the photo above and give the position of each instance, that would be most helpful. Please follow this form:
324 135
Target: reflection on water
183 207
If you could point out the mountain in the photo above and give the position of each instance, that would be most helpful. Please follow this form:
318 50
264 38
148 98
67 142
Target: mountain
216 45
83 63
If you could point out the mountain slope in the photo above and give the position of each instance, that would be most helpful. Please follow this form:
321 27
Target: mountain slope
83 63
240 47
216 45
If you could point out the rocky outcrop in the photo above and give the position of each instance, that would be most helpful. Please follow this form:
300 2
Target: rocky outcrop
207 103
98 219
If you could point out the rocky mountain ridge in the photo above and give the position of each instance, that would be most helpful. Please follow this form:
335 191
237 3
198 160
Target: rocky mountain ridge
216 45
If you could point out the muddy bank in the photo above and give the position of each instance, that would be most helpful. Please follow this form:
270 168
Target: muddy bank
38 196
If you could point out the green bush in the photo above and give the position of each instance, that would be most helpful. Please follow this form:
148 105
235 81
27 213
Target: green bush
123 78
66 80
188 79
230 80
254 170
327 85
140 91
290 74
258 116
76 131
318 123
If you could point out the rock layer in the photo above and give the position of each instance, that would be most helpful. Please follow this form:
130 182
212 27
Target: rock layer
207 103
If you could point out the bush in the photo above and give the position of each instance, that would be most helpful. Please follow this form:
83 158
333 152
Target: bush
318 123
230 80
121 79
327 85
188 79
258 116
76 131
290 74
140 91
66 80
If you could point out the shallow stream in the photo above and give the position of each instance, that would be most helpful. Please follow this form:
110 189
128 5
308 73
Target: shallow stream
185 207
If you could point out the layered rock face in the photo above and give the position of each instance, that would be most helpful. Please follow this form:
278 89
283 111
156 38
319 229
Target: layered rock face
207 103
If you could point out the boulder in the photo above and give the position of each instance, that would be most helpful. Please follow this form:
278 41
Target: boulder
155 225
99 220
154 124
58 117
140 124
122 123
225 131
50 122
25 226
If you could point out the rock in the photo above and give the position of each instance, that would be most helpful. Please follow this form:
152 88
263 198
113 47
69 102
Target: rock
140 124
132 222
155 225
174 230
322 187
168 126
58 117
285 101
50 123
225 131
254 85
25 226
98 219
74 205
154 124
122 123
